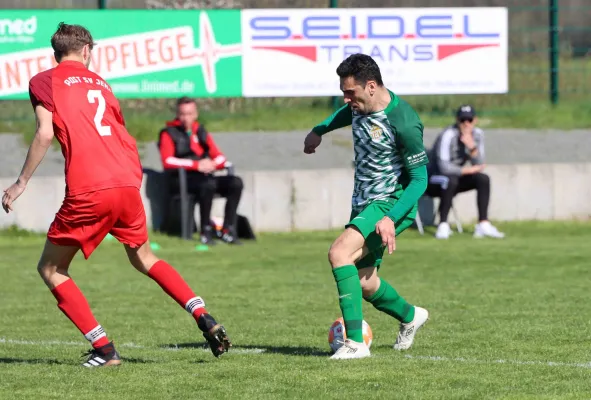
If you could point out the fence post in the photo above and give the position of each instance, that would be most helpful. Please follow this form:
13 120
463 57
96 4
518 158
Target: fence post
335 99
554 51
102 4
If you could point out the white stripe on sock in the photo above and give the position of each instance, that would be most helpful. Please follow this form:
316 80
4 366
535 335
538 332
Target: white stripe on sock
95 334
194 303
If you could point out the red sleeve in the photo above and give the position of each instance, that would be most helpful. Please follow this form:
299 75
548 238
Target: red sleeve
215 153
169 161
40 91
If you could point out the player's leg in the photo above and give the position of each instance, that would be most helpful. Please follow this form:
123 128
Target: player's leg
75 228
342 255
384 297
349 247
131 230
173 284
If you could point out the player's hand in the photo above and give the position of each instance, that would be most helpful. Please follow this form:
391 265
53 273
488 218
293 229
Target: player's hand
312 141
11 194
207 166
385 228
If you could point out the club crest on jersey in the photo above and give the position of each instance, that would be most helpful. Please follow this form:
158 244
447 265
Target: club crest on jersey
376 132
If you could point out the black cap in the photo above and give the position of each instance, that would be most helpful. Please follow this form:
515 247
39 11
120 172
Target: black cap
465 111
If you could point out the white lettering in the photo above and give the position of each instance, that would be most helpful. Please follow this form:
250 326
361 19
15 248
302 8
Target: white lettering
18 26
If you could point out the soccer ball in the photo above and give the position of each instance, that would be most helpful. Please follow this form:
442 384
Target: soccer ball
337 334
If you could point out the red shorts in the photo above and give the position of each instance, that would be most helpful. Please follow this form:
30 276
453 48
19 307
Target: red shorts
84 220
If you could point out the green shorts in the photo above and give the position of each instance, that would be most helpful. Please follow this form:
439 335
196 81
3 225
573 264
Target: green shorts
366 220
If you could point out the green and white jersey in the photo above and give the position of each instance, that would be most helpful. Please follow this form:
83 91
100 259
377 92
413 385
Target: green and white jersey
387 144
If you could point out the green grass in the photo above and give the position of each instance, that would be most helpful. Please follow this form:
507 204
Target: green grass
522 300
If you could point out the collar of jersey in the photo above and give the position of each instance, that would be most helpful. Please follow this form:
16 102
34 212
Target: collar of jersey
72 63
394 100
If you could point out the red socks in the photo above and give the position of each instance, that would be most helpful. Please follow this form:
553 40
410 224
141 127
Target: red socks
175 286
74 305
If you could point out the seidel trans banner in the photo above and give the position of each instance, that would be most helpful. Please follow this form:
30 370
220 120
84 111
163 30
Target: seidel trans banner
419 50
141 53
266 52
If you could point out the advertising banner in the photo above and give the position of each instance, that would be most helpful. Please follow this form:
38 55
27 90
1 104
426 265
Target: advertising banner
266 52
142 53
295 52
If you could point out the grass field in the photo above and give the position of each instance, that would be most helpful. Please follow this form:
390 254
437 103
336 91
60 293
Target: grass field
509 319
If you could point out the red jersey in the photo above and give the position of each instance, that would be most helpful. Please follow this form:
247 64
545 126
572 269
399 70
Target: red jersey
88 124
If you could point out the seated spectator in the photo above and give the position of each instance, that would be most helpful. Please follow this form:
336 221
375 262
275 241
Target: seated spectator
184 143
448 174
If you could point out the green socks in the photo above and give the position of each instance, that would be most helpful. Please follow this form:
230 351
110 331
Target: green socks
387 300
350 300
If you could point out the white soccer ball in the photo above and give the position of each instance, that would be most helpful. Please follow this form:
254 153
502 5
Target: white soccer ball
337 334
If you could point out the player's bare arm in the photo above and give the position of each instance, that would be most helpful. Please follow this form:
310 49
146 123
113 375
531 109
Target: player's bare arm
37 150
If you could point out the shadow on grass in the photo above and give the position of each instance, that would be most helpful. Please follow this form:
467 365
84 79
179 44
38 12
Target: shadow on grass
256 349
57 362
32 361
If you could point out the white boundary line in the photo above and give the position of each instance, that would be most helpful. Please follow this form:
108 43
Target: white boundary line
559 364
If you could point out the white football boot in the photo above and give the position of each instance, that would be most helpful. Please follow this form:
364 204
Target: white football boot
407 332
485 228
443 231
351 350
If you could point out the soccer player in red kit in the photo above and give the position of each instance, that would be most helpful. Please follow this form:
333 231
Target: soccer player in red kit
103 179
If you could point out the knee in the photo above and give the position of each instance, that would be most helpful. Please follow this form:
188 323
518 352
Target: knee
482 180
236 184
337 255
48 270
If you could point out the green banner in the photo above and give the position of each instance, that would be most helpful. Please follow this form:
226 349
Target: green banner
141 53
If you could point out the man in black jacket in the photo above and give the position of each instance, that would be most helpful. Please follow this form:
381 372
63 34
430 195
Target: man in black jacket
184 143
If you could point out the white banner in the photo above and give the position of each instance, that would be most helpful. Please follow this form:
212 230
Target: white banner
420 51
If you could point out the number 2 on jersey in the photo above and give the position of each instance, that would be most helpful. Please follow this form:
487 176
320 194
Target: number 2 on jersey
93 95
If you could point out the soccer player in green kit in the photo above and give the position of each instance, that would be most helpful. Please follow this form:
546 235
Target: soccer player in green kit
390 177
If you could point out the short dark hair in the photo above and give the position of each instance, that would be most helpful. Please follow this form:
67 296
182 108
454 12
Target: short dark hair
185 100
362 68
69 39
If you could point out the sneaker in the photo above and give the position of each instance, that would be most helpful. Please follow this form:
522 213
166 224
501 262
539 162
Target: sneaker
215 335
485 228
407 332
207 236
350 350
443 231
229 238
105 356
